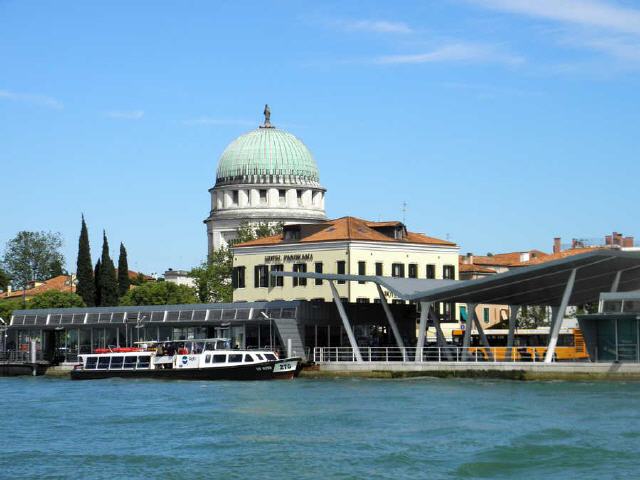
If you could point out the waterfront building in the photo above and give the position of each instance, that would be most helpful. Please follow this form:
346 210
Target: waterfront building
264 176
179 277
346 245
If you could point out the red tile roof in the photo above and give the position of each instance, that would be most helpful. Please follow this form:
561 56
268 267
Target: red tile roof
470 268
347 228
62 283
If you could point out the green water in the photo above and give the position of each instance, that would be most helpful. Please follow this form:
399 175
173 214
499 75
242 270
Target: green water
419 428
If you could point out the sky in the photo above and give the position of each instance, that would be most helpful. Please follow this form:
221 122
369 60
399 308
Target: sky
500 123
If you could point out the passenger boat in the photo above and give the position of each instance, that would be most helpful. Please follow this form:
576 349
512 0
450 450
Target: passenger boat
209 359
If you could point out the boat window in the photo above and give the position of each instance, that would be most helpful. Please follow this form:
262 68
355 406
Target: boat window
219 358
248 358
236 357
260 357
130 361
270 356
207 359
143 361
116 362
91 362
103 363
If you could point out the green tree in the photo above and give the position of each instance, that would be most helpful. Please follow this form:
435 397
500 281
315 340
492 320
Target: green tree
108 280
97 278
84 271
139 279
56 299
33 256
7 307
213 278
533 317
5 281
123 272
159 293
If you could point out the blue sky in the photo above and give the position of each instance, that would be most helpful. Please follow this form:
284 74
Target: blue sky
501 123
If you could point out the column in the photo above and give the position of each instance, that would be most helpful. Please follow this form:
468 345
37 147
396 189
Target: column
424 315
557 321
392 322
513 316
345 321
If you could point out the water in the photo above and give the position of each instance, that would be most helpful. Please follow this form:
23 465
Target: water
348 429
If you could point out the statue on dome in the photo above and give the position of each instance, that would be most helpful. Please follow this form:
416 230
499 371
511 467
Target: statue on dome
267 116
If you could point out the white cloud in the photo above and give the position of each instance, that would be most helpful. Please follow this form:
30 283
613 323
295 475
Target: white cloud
376 26
39 100
457 52
126 114
589 13
206 120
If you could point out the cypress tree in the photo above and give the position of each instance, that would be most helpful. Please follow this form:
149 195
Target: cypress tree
97 279
86 287
108 280
123 272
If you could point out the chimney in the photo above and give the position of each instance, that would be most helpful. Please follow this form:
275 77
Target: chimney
469 259
627 242
557 245
617 239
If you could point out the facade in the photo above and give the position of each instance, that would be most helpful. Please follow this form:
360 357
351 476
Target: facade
347 245
179 277
264 176
613 334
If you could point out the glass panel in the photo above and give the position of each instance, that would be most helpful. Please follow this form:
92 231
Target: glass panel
234 358
627 339
606 340
612 306
632 306
130 361
248 358
116 362
143 361
219 358
91 363
103 363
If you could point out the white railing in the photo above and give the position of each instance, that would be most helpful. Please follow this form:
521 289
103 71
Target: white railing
430 354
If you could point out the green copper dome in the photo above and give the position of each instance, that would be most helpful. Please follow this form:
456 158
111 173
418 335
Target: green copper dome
267 154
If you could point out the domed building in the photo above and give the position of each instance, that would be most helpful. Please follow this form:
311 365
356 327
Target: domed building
266 175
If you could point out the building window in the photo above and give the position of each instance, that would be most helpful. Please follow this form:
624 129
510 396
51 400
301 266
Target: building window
395 301
234 197
431 271
237 277
362 269
263 197
397 270
448 272
261 276
299 197
362 300
282 197
277 281
379 269
341 269
318 269
485 315
299 282
413 270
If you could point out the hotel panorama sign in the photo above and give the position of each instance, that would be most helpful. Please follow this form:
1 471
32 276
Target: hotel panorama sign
297 257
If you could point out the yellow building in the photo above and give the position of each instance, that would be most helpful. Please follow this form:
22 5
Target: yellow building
347 245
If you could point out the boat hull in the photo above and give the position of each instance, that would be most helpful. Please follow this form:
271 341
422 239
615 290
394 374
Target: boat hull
259 371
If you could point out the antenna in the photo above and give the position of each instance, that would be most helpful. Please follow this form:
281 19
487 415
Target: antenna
404 212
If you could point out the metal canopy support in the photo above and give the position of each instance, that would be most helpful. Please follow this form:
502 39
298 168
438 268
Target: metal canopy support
442 341
616 281
557 321
471 315
513 316
392 322
345 322
424 314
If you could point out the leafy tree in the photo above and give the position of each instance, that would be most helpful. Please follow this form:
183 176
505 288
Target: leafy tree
84 271
159 293
108 280
4 280
139 279
97 278
56 299
213 278
33 256
123 272
7 307
533 317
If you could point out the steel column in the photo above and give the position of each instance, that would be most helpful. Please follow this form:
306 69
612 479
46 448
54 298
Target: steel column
392 322
616 281
557 321
345 322
471 315
513 316
424 314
